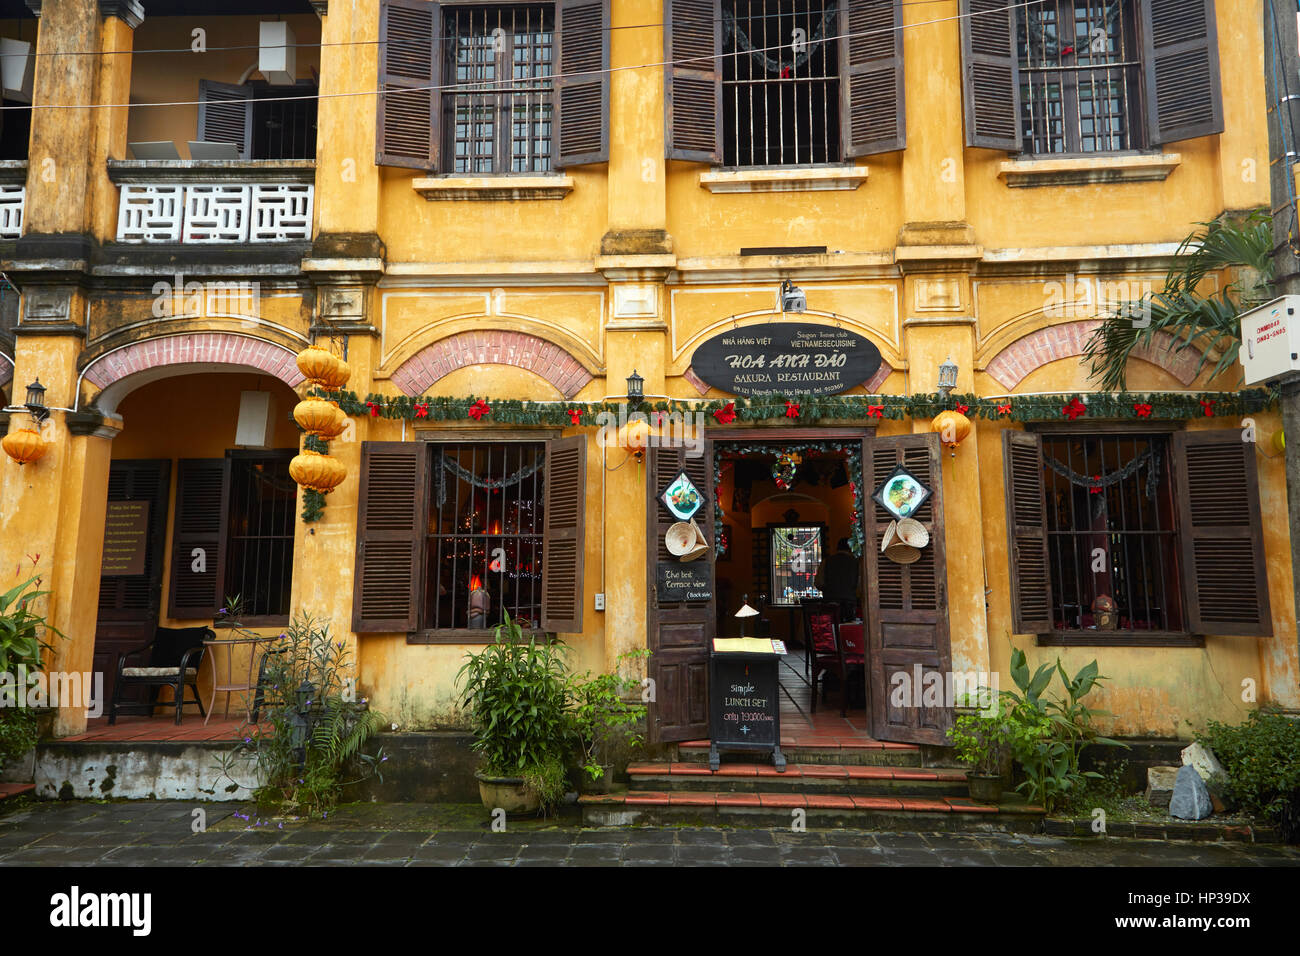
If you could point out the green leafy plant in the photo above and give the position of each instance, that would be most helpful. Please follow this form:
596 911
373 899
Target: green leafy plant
983 741
18 732
1261 763
22 629
601 715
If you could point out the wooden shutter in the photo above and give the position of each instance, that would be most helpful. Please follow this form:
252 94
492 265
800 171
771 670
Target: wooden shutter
872 117
410 59
1180 57
1031 581
565 488
693 90
135 597
390 536
991 93
908 603
199 538
226 115
582 91
680 633
1224 575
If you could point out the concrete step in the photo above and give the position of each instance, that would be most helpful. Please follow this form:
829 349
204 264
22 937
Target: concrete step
16 789
797 778
857 752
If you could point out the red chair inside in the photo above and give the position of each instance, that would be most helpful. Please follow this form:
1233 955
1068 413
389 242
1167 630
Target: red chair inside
855 650
822 625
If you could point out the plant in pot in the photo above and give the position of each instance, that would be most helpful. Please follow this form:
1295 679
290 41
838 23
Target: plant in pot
517 695
22 633
604 719
983 740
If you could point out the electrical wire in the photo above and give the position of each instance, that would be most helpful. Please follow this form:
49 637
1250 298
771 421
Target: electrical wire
514 85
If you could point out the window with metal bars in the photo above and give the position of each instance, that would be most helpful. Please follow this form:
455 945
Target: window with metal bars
497 111
780 82
259 532
796 554
284 128
1080 77
1111 534
485 535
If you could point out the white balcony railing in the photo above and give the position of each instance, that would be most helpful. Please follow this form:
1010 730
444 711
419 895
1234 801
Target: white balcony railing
215 212
12 198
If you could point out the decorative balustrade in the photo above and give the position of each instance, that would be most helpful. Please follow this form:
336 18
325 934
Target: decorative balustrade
12 198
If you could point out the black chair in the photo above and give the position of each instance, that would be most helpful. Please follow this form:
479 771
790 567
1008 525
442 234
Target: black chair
174 655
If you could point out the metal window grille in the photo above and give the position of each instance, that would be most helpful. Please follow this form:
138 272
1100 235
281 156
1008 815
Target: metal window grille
259 542
1111 533
796 555
486 528
1080 77
283 128
780 82
500 59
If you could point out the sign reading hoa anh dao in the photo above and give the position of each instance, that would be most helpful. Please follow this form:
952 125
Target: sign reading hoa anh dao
786 358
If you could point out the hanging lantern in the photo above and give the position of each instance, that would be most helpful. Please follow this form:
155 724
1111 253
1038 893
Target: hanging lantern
320 418
24 445
952 429
317 472
635 437
315 363
337 375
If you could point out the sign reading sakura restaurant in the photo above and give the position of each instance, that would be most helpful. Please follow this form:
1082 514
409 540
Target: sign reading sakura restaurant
786 358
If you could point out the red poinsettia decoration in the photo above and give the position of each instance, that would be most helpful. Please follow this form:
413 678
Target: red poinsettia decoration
1074 409
574 415
1142 410
1207 406
421 409
479 409
875 411
791 410
374 409
726 414
1004 409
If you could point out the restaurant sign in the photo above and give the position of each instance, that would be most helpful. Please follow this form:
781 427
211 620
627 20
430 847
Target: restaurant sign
786 358
126 537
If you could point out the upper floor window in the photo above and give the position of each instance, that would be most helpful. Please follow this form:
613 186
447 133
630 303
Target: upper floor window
255 121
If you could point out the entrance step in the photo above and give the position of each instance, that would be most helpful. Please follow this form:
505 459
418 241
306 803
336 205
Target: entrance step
822 810
811 779
843 752
16 789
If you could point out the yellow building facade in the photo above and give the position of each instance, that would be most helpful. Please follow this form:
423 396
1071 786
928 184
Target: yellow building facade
525 205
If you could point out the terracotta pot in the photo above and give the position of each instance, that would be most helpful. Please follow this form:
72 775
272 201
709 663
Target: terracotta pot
510 794
986 788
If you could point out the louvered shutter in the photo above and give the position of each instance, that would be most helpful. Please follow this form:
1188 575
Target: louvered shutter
1224 575
582 91
991 81
410 65
390 537
129 597
1031 588
565 488
693 89
198 577
908 603
1180 55
226 115
872 118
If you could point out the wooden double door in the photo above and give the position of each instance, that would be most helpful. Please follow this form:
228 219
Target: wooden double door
906 609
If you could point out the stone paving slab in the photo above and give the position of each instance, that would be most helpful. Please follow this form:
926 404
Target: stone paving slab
161 834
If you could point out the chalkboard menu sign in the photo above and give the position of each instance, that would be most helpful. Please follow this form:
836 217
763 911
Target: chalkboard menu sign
683 581
744 705
126 536
786 358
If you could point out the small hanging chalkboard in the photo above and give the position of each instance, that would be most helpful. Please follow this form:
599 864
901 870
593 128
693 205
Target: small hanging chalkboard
744 705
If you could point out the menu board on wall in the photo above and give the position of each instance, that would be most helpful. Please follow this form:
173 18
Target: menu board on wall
690 582
126 538
786 358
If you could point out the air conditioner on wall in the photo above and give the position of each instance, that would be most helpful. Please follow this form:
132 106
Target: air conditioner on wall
277 56
16 68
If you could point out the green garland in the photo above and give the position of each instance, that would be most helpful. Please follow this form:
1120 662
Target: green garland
313 502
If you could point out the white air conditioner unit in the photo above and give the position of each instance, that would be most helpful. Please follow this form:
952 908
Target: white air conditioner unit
16 68
277 56
1270 340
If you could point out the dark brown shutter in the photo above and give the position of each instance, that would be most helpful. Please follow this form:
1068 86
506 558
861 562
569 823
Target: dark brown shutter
410 65
390 537
990 74
1180 56
872 118
908 603
134 597
582 91
693 89
680 633
562 551
226 115
202 500
1224 575
1031 582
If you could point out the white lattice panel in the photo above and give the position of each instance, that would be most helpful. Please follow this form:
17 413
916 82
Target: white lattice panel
150 213
281 212
11 211
216 213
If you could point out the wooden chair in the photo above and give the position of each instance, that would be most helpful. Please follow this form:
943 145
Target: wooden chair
174 655
821 626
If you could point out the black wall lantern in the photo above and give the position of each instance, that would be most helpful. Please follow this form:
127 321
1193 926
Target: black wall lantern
792 297
635 389
36 401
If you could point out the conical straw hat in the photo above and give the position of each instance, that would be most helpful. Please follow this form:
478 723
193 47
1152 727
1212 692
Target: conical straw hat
679 539
890 538
911 531
699 544
901 553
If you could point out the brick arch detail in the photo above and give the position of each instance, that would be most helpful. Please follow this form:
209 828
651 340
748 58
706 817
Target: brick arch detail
493 347
6 368
1014 363
195 348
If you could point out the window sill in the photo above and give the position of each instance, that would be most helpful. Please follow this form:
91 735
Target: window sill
466 636
156 172
800 179
1121 639
1088 170
493 188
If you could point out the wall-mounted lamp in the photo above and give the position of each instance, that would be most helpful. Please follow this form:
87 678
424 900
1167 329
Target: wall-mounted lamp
635 389
948 376
36 401
792 297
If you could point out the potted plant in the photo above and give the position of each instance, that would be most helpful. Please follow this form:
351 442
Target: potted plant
516 691
603 718
982 740
22 643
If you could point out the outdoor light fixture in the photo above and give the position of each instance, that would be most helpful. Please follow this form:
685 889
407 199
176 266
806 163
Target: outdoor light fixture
745 612
792 297
36 401
948 376
635 389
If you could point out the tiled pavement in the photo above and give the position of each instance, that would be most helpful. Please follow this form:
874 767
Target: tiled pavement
160 833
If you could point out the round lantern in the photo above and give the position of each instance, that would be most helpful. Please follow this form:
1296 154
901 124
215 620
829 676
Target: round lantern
24 445
337 375
322 419
952 428
635 437
315 363
1279 441
317 472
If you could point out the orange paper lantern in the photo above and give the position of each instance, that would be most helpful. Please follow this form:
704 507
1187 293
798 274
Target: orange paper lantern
24 445
635 437
317 472
951 427
322 419
315 363
337 375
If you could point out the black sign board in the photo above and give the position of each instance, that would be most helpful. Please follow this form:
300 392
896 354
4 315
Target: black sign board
744 705
683 581
126 538
786 358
